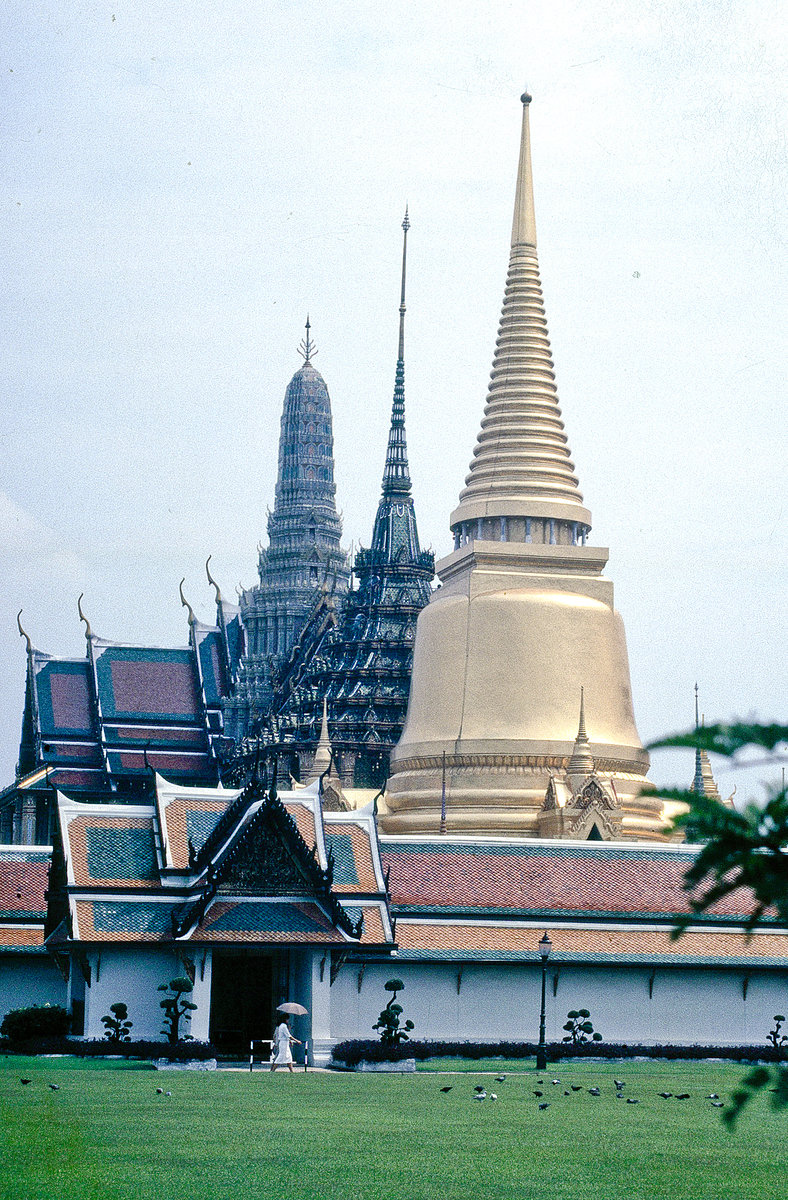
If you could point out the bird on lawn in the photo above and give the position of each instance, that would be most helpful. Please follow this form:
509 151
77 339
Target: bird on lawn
711 1096
632 1100
576 1087
683 1096
500 1078
479 1087
493 1096
55 1087
538 1093
717 1104
159 1091
168 1093
594 1091
542 1107
567 1092
448 1087
665 1095
555 1081
23 1081
619 1083
480 1096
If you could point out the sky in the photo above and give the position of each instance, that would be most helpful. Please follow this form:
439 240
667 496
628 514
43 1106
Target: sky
182 184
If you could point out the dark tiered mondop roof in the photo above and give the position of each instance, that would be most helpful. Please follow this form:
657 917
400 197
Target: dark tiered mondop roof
360 658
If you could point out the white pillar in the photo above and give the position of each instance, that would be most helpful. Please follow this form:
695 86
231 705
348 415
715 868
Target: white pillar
321 1038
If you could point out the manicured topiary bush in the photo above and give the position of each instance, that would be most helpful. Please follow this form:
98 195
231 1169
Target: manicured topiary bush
40 1020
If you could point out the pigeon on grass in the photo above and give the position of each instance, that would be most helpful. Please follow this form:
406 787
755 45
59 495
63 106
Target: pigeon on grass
544 1105
448 1088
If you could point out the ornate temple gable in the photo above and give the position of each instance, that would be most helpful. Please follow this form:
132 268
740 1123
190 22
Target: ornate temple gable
591 810
265 856
263 866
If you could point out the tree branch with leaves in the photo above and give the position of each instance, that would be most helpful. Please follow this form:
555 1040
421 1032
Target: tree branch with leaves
740 850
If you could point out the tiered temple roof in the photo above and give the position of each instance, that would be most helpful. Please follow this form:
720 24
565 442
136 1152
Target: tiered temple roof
303 555
358 660
484 899
215 865
100 725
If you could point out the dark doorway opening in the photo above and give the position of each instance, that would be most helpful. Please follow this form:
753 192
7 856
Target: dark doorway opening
241 1002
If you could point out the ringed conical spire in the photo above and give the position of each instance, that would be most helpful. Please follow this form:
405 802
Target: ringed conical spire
522 486
396 476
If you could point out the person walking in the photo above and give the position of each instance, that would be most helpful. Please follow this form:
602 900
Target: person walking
283 1039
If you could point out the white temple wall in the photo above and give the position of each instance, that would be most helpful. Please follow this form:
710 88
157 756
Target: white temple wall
501 1002
130 976
29 979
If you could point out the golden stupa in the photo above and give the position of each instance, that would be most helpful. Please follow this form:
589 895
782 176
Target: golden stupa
522 621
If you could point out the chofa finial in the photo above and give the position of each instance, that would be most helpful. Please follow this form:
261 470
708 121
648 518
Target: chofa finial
22 632
82 617
307 348
211 579
185 602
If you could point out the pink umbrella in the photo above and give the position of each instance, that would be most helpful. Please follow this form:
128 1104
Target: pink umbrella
295 1010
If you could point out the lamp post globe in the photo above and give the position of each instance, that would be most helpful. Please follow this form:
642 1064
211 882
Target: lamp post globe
545 946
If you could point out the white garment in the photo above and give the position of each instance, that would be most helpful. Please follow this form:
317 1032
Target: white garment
284 1054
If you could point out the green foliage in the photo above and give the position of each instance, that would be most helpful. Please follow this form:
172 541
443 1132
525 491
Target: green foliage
116 1023
727 739
747 850
176 1008
580 1028
388 1023
45 1020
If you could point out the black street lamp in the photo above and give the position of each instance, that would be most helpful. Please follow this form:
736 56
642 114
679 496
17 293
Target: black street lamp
545 946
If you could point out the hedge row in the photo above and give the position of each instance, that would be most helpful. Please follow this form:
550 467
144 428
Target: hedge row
97 1047
352 1052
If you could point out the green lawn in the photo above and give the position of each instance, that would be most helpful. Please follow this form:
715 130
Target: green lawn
231 1136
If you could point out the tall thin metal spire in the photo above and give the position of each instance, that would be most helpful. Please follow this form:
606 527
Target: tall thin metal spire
396 475
406 227
698 783
307 349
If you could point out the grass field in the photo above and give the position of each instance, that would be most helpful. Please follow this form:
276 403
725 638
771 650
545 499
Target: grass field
106 1134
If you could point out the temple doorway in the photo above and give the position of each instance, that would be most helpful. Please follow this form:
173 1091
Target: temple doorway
241 1001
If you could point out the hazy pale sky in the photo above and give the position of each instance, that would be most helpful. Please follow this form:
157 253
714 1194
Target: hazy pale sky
181 184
